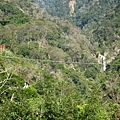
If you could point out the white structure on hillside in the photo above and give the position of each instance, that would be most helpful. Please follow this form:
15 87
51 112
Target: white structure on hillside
102 58
26 85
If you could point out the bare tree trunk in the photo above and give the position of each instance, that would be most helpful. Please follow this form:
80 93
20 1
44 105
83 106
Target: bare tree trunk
12 98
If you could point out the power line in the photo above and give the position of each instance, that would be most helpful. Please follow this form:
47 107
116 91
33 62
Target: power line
53 61
45 60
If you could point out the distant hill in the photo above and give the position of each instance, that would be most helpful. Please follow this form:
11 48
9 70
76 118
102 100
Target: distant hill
98 20
85 11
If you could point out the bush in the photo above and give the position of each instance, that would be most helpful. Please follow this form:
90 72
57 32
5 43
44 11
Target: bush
30 92
91 73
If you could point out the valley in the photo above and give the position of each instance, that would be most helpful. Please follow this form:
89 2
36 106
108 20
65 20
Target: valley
59 60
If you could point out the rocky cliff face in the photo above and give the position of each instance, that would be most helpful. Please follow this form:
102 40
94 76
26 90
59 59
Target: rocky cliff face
72 6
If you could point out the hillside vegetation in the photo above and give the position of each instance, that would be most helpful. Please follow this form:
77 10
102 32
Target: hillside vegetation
98 20
49 69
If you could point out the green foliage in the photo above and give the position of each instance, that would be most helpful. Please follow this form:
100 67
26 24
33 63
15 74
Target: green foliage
91 72
16 110
24 50
12 14
60 90
12 85
92 110
99 20
115 65
7 53
29 92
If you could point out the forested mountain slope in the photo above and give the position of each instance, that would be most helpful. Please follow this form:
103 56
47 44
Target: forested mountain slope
43 38
85 11
49 69
98 19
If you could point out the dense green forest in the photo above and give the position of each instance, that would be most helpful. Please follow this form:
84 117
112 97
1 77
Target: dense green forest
51 68
98 19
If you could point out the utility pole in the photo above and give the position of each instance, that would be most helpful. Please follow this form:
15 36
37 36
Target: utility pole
104 63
